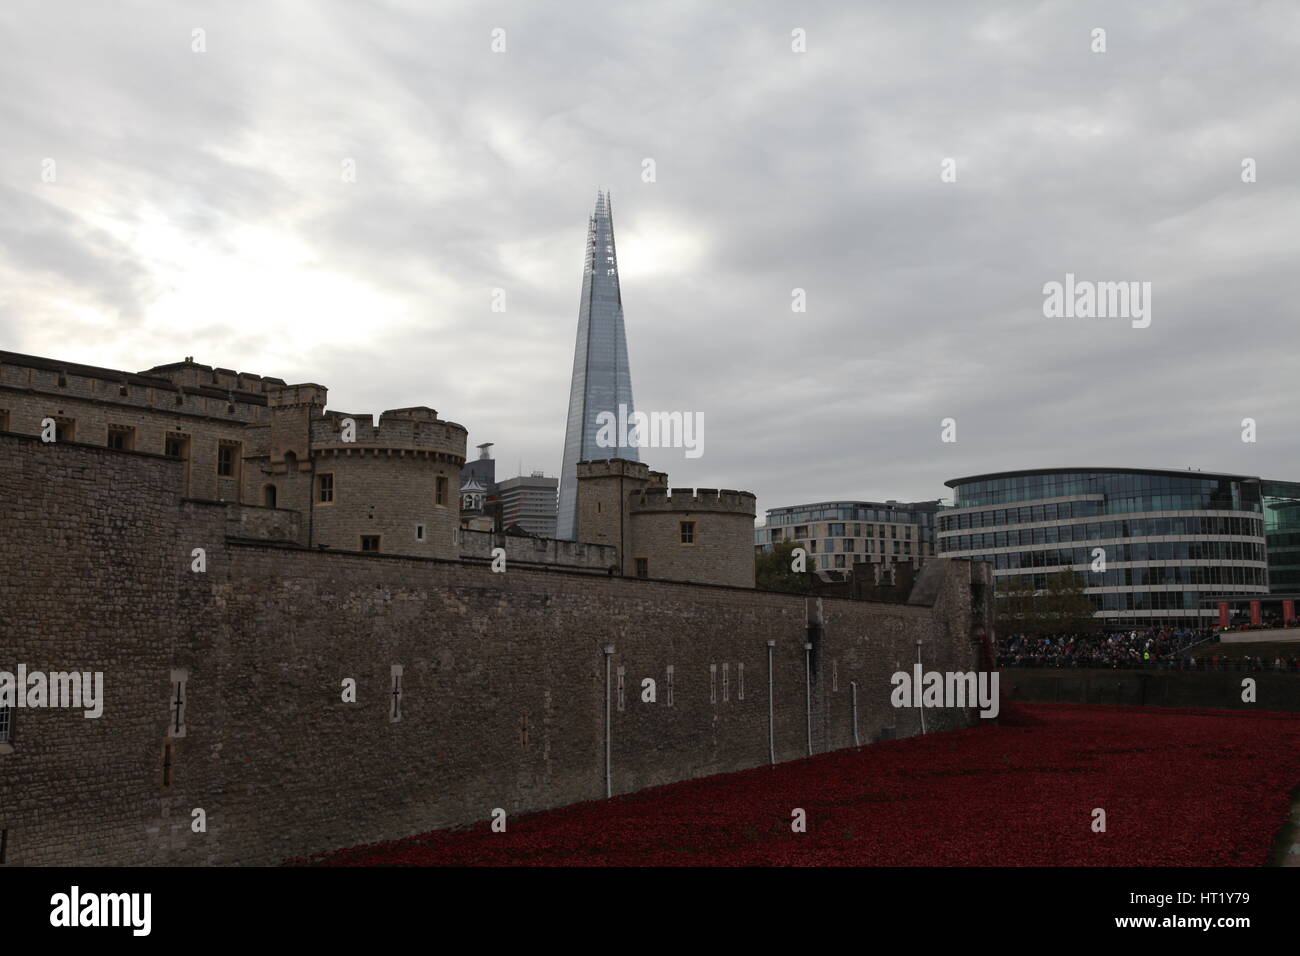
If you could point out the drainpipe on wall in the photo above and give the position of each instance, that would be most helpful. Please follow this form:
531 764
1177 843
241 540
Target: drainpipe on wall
853 685
311 489
771 731
916 691
311 500
609 779
807 687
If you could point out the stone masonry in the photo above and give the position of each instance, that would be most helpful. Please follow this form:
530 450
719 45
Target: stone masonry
502 693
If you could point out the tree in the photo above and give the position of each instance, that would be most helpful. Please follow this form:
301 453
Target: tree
1060 607
773 570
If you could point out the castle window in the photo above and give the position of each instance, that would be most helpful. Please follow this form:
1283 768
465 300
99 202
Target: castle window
395 710
4 419
268 496
688 532
440 491
65 429
227 456
642 567
370 542
670 685
180 398
740 681
325 488
176 703
419 532
622 697
6 726
713 683
121 437
122 390
63 380
177 445
726 682
167 766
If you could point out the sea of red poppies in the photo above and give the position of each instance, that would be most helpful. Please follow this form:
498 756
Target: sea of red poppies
1179 788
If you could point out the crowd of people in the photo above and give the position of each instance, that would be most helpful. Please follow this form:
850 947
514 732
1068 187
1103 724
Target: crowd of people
1155 647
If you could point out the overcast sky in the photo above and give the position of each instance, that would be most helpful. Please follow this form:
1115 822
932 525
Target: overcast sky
199 208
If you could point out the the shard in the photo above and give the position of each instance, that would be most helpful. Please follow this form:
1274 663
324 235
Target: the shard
601 380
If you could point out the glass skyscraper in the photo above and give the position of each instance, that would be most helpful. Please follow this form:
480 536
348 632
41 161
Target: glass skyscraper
601 380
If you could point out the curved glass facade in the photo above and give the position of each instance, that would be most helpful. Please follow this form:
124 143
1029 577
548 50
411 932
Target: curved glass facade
1169 539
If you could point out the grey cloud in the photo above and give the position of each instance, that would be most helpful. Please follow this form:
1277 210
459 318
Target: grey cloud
818 170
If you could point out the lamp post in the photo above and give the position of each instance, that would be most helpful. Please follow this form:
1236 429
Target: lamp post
609 779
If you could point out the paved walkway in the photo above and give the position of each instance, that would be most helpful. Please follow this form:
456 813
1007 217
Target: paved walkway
1280 634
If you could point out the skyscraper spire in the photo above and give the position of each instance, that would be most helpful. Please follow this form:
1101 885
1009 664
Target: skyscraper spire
601 380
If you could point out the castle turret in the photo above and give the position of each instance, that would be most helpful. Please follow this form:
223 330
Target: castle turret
605 489
682 534
393 488
702 535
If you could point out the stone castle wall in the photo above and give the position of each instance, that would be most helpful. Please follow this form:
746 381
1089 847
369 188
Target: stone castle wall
547 552
503 676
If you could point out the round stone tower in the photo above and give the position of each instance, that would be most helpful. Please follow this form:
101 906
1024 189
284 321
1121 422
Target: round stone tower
394 488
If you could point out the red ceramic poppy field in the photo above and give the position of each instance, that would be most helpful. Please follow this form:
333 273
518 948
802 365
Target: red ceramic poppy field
1179 788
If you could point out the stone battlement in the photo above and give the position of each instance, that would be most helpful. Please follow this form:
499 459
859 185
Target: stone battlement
692 499
401 429
232 397
616 468
192 374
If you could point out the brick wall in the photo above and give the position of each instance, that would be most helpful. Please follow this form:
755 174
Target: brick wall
503 676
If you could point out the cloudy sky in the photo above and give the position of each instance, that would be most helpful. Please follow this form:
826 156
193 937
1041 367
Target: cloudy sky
199 207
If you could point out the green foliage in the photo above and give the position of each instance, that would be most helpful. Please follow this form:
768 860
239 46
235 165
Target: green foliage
1061 607
773 570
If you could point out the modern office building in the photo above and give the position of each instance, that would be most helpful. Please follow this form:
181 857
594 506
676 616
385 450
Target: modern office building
528 502
839 534
1171 540
1281 501
601 379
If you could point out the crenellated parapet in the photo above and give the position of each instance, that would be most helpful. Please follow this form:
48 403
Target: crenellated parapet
618 468
405 432
661 499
